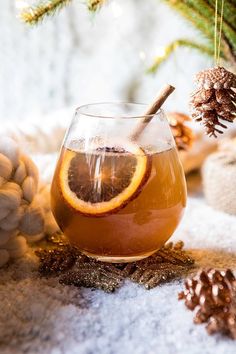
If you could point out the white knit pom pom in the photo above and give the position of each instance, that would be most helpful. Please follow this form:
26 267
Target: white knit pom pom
11 222
31 168
4 257
8 226
13 186
5 236
34 238
219 181
29 188
9 148
6 167
20 173
44 194
9 198
50 224
32 222
2 181
39 200
3 213
23 209
16 246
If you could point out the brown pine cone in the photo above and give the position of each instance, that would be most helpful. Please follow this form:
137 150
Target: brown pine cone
215 99
217 78
183 134
213 294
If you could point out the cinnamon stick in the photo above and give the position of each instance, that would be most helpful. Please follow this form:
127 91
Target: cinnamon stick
153 108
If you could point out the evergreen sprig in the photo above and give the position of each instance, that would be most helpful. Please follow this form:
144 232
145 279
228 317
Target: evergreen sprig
170 48
194 15
95 5
201 14
34 14
229 12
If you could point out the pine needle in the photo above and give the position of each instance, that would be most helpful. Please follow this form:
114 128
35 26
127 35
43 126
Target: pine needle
170 48
95 5
34 14
201 15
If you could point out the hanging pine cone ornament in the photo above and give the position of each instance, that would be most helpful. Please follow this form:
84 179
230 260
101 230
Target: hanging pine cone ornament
213 294
214 100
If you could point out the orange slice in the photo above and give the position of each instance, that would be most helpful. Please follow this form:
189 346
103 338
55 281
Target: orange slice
103 182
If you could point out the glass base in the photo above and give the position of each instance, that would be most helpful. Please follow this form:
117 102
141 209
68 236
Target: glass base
117 259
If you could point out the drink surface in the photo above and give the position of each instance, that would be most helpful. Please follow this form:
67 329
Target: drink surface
118 204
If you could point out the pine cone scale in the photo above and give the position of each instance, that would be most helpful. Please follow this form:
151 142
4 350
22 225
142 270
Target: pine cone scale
223 96
201 96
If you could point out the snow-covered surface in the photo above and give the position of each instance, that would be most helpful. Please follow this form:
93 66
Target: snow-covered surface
40 316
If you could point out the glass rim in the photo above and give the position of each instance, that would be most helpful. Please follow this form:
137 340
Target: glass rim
117 116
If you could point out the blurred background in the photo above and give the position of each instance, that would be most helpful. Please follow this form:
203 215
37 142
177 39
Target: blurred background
78 57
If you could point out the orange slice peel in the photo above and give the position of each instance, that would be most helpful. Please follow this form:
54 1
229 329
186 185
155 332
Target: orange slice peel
105 181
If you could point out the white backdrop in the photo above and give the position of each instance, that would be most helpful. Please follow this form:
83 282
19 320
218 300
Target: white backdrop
78 58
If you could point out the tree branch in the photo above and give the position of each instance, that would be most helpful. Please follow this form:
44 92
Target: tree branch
173 46
95 5
34 14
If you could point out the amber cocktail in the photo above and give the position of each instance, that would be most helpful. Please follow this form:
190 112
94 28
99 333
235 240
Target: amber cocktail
117 199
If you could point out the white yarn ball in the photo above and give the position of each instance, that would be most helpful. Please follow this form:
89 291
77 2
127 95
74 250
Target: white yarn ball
16 247
32 222
20 173
219 181
29 188
2 181
6 167
6 235
51 226
4 257
25 214
9 148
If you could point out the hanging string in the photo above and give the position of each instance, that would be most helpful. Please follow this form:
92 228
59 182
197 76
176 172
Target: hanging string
220 32
215 32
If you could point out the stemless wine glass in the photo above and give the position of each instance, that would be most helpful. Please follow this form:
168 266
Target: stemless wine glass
118 198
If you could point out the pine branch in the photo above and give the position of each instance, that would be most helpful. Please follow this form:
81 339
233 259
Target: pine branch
228 32
230 36
173 46
206 8
201 14
229 12
193 15
209 12
95 5
34 14
203 8
229 53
